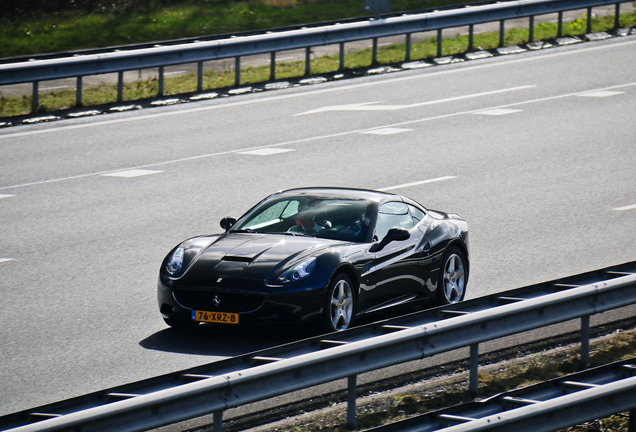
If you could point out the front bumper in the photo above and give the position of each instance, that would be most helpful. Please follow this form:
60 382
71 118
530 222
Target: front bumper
300 302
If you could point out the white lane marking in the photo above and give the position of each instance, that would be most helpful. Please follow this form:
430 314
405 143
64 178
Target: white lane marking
6 196
52 88
417 183
601 94
629 207
497 112
387 131
131 173
302 140
266 151
429 74
368 106
4 260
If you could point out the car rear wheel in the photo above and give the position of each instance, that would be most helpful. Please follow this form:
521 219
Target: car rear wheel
339 307
453 277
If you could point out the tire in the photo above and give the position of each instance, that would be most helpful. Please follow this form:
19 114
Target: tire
453 277
339 308
181 325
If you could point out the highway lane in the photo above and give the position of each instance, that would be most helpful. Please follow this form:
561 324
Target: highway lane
535 151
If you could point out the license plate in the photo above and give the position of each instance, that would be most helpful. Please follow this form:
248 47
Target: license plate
215 317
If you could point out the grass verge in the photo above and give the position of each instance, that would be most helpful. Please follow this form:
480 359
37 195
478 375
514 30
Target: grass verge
73 30
223 79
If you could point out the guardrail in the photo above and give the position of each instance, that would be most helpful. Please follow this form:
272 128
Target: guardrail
548 406
223 385
236 47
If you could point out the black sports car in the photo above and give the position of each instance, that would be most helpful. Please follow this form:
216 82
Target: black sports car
322 255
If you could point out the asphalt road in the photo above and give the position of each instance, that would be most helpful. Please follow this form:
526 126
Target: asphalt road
535 151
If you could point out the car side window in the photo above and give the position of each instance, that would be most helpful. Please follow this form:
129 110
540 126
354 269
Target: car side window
393 215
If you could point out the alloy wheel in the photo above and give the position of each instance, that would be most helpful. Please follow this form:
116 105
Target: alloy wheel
454 278
341 305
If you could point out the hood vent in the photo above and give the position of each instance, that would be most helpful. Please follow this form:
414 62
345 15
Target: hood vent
238 258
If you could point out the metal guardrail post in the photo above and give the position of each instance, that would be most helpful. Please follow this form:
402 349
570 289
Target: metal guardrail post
34 100
120 86
78 92
374 55
531 30
473 383
342 57
217 421
272 66
560 19
351 401
471 37
585 340
160 91
200 76
407 54
589 20
439 43
617 24
237 71
631 421
502 31
307 61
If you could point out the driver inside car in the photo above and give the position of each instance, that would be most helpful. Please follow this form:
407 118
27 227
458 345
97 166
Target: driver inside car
306 223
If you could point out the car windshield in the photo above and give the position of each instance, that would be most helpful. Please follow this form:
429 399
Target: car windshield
319 216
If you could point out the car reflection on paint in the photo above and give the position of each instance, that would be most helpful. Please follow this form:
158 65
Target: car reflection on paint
322 256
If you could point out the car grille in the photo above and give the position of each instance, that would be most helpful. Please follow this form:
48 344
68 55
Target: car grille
224 301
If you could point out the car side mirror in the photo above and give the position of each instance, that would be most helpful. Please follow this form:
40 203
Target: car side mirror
394 234
227 223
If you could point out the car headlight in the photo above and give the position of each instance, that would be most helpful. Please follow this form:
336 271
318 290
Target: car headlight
298 271
182 256
174 266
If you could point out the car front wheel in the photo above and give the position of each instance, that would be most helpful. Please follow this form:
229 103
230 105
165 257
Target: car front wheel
339 307
453 277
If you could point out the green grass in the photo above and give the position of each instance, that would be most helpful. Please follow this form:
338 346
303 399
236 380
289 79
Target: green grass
214 80
77 30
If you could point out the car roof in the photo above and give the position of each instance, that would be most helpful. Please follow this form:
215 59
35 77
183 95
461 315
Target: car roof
367 194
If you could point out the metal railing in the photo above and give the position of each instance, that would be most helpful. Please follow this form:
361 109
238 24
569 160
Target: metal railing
227 384
159 57
552 405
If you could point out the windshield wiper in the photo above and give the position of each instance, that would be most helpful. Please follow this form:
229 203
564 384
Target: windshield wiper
292 233
244 231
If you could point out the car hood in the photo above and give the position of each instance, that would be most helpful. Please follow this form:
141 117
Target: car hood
252 256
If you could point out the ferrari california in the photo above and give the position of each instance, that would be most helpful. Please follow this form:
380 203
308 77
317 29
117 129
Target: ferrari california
323 256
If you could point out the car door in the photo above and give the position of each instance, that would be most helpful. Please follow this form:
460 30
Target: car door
396 270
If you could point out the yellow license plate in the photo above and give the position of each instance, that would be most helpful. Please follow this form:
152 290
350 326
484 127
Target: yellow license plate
215 317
